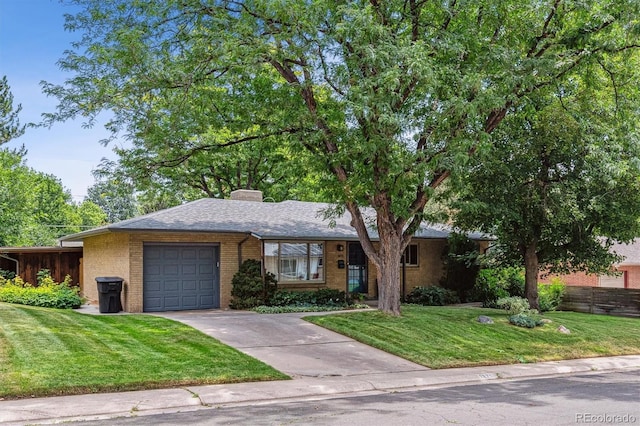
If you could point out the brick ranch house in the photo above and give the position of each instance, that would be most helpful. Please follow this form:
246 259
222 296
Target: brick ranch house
185 257
628 271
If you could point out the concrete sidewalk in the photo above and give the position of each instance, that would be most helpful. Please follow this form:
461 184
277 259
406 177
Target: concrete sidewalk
322 364
139 403
294 346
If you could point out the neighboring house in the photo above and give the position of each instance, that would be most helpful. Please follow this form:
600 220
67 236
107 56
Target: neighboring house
26 262
185 257
626 273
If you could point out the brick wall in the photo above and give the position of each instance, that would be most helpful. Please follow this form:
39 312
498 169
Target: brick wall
633 276
121 254
578 279
582 279
105 255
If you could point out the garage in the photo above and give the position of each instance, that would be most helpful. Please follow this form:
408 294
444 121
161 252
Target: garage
180 277
613 281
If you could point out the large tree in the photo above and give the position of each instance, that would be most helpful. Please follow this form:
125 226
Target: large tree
556 190
388 97
265 165
35 208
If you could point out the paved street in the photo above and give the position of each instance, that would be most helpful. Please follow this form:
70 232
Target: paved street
610 398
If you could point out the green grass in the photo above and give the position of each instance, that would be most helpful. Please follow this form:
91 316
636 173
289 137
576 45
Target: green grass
55 352
445 337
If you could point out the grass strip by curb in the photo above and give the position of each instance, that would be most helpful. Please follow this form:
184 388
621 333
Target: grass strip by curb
446 337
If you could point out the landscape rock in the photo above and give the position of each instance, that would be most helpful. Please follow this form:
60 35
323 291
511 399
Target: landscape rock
483 319
546 321
563 329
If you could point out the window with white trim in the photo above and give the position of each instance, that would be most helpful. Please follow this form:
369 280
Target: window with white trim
294 261
410 255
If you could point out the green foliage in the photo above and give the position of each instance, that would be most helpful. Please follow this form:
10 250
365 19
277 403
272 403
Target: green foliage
47 294
550 295
497 283
113 193
387 99
432 296
42 275
7 275
304 308
327 297
558 185
10 127
91 214
35 209
515 305
525 320
461 262
249 288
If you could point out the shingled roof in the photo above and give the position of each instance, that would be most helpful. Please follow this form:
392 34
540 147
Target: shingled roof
284 220
630 252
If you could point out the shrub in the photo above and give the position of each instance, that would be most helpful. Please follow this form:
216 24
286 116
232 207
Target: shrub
460 258
494 284
432 296
305 308
48 294
7 275
513 305
524 320
550 295
324 297
249 288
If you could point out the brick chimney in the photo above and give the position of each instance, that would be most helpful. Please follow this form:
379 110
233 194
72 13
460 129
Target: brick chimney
246 195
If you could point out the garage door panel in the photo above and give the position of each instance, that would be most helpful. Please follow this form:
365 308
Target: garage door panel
171 254
180 278
153 285
189 269
171 286
171 303
189 254
170 270
154 270
205 269
189 286
153 304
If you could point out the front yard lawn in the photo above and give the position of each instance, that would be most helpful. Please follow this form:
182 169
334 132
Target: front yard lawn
445 337
54 352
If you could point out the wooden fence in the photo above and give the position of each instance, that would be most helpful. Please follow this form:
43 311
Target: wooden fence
30 260
600 300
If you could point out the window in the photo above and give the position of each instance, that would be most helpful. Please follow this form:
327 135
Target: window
290 261
410 255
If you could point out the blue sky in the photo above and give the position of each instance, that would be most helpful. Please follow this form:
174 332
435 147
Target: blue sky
32 40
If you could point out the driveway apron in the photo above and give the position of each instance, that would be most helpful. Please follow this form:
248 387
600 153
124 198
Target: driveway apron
292 345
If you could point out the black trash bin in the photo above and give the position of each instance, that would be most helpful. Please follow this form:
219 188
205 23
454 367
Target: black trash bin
109 289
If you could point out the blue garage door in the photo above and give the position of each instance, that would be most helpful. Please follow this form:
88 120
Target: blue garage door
180 277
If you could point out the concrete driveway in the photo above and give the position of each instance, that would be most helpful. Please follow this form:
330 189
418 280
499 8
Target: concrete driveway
293 346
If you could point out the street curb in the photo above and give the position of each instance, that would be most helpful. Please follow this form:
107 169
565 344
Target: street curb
162 401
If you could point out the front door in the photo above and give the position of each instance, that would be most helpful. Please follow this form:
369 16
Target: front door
357 269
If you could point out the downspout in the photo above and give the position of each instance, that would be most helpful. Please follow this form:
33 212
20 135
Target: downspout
244 240
13 260
404 271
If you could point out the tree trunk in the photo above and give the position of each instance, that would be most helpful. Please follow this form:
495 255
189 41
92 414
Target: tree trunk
389 283
388 270
531 275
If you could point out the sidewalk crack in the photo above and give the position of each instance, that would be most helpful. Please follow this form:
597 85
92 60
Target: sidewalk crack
195 395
